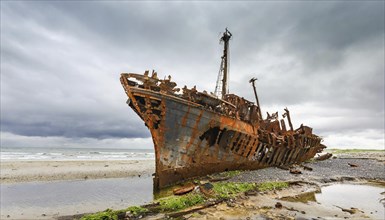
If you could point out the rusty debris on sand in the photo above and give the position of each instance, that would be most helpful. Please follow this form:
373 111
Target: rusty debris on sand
184 189
324 156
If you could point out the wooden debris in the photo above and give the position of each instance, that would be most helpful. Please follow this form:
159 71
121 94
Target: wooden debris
192 209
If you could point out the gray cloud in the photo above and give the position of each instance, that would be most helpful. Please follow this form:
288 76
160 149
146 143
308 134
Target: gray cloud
60 61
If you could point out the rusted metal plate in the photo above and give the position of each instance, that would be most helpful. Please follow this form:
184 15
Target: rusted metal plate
184 189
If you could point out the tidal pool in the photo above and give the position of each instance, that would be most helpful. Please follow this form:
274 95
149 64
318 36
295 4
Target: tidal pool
367 198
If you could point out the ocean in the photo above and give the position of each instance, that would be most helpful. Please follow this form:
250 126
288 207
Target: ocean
68 153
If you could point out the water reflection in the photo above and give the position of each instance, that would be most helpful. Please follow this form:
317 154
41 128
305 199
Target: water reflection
366 198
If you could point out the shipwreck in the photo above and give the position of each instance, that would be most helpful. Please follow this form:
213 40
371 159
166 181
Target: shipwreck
199 133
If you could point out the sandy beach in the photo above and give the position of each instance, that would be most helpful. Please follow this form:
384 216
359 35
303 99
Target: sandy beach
30 171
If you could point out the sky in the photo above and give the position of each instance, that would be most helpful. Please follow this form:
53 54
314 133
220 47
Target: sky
61 62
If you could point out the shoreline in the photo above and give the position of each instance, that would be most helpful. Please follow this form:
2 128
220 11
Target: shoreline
328 172
22 171
46 171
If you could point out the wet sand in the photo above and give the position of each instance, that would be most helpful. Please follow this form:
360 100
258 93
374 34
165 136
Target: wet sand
49 200
48 189
31 171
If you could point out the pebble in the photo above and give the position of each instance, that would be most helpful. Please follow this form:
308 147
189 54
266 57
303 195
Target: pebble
327 170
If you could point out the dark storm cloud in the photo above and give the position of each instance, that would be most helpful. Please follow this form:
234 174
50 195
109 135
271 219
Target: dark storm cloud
46 92
60 61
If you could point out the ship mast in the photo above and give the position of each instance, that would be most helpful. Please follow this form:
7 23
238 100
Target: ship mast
221 89
252 81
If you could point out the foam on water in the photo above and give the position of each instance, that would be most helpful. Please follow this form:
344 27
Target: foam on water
8 154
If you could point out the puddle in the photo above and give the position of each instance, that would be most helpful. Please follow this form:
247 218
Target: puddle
367 198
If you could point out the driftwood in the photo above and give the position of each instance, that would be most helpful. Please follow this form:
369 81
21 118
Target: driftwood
193 209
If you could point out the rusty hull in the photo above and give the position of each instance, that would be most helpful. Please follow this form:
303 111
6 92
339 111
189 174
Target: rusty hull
195 133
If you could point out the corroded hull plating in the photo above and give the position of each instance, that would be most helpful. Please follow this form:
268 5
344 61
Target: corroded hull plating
191 139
